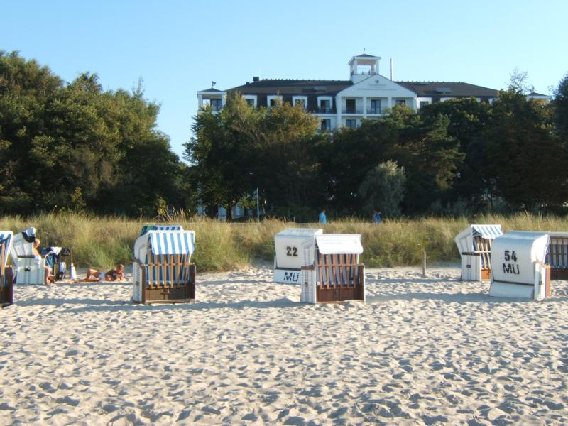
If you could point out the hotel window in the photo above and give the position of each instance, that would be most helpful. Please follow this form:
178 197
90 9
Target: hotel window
274 100
324 104
216 104
300 100
400 101
423 104
350 106
325 125
375 106
250 100
351 123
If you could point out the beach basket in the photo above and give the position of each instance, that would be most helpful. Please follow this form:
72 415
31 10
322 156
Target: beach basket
557 255
335 274
293 248
474 244
30 269
6 276
162 271
519 263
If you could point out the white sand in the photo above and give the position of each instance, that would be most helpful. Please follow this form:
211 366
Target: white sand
426 351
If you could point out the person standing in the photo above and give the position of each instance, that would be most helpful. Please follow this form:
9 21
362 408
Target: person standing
322 217
377 218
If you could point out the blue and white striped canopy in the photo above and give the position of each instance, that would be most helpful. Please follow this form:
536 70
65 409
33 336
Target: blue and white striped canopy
171 242
154 227
6 241
487 232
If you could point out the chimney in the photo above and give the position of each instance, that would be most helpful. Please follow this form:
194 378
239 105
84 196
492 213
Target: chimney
391 71
255 79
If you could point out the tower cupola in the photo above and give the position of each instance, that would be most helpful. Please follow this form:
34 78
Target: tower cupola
363 66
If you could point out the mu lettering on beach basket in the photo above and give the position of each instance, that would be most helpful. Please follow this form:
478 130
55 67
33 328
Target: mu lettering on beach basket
557 256
293 248
162 270
6 276
474 244
519 267
336 274
30 269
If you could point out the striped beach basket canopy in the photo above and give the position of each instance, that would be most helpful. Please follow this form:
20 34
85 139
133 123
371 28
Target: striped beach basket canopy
487 232
164 242
6 238
156 227
465 240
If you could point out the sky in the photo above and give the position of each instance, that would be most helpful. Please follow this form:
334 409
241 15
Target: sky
178 47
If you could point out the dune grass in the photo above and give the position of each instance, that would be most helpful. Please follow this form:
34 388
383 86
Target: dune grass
101 242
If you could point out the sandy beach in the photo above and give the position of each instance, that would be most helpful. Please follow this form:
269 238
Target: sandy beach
431 350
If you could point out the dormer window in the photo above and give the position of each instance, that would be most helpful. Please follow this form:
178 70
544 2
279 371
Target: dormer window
274 100
300 100
250 100
324 104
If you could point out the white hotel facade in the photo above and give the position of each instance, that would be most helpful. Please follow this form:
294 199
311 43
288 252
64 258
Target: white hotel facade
345 103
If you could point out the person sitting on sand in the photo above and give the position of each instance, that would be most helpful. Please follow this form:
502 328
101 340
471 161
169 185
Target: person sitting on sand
116 274
48 277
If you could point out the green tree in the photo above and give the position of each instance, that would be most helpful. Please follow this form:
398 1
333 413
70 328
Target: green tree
349 156
429 155
242 148
219 153
527 164
383 189
150 178
468 119
286 167
148 173
76 146
25 90
560 104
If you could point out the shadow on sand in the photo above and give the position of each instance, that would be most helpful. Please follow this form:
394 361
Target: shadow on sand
101 305
457 298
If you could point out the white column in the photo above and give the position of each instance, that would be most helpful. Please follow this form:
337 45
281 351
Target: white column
365 107
339 105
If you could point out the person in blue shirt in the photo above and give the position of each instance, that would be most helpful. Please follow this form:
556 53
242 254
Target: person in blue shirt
377 218
322 217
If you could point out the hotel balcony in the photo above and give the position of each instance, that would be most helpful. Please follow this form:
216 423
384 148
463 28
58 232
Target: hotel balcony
356 111
324 111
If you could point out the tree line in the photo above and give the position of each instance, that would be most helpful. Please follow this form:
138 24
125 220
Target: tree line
74 146
456 157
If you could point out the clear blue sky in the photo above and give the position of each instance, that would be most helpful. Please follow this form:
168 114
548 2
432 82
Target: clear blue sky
177 47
